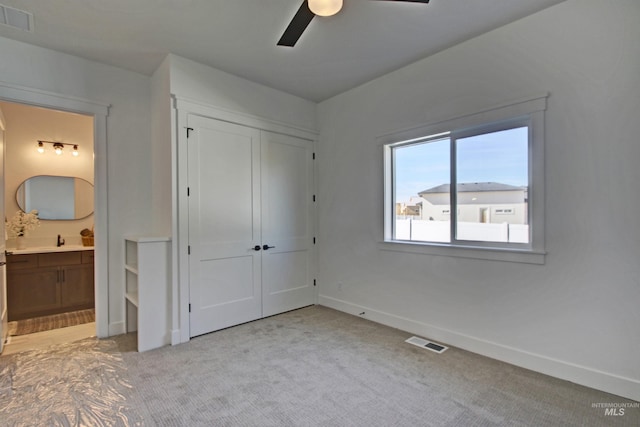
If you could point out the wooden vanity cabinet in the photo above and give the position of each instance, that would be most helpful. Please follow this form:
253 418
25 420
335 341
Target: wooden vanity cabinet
49 283
31 291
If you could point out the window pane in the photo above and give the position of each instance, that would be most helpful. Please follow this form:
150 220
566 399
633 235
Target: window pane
421 191
492 173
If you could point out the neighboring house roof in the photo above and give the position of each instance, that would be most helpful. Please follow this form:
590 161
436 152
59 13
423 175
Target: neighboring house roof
468 187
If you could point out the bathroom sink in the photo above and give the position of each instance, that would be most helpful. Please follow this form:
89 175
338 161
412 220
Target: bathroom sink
42 249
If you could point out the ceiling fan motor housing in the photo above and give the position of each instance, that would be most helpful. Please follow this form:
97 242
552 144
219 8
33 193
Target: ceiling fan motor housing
325 7
310 8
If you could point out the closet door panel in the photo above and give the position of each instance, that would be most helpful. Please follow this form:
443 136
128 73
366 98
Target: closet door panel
224 225
287 207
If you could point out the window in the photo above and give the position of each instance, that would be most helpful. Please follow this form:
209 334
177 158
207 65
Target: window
469 185
490 171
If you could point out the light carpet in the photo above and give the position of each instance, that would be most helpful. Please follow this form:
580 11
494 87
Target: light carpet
310 367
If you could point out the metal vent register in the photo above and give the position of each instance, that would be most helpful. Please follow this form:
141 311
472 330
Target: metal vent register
16 18
422 343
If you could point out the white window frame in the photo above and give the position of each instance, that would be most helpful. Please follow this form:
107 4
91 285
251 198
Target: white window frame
529 112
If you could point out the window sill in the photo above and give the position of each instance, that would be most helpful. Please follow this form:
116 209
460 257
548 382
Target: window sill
473 252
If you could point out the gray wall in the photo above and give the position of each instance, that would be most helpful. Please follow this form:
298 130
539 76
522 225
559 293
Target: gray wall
576 316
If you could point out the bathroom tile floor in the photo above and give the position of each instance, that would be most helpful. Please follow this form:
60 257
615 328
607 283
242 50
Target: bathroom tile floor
40 340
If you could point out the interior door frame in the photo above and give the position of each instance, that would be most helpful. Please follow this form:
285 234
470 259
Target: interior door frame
99 112
182 108
4 311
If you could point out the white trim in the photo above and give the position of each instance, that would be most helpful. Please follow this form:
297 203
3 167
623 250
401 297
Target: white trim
43 98
583 375
461 251
146 239
4 314
505 110
249 120
176 337
316 224
117 328
181 225
99 111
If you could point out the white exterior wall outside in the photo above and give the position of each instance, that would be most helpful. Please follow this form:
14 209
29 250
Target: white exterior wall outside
516 213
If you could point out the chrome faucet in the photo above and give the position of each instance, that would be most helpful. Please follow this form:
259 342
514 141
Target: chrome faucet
60 241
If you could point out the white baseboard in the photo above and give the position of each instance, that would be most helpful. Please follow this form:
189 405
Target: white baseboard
117 328
610 383
175 337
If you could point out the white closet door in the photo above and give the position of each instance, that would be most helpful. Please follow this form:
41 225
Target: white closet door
224 225
287 206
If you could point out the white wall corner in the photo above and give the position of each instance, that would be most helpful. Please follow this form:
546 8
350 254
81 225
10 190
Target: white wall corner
175 337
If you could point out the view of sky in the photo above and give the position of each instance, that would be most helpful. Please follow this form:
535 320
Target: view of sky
494 157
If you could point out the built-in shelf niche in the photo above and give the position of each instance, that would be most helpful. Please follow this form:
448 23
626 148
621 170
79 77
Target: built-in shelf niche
147 279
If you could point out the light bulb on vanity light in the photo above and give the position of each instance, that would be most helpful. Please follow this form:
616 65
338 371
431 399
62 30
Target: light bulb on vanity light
58 148
75 151
40 147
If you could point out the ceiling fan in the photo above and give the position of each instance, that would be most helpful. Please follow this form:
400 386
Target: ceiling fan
308 10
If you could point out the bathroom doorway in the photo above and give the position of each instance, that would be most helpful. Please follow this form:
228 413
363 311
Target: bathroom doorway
49 167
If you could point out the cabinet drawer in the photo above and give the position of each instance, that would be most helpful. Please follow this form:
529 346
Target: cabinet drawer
18 262
55 259
87 257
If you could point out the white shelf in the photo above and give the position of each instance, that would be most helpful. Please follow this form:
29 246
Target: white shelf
147 288
132 268
147 239
132 297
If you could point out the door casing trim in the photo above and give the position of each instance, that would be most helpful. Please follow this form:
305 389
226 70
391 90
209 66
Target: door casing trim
99 111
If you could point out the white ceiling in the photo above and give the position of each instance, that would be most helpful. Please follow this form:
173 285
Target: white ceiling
365 40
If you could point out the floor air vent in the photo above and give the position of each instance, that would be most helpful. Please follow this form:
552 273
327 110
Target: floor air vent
438 348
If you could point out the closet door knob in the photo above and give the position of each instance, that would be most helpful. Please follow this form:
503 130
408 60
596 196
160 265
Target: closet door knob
256 248
267 247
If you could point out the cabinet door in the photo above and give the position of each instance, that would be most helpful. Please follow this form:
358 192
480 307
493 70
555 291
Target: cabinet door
32 292
77 286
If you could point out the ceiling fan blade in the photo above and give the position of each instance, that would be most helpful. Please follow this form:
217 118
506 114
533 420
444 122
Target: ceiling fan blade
296 27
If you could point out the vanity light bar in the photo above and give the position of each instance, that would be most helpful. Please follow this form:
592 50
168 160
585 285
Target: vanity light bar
58 147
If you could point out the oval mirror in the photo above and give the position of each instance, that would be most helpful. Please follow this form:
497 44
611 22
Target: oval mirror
56 197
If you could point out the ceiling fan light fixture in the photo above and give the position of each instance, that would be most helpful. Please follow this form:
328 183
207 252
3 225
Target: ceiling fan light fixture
325 7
